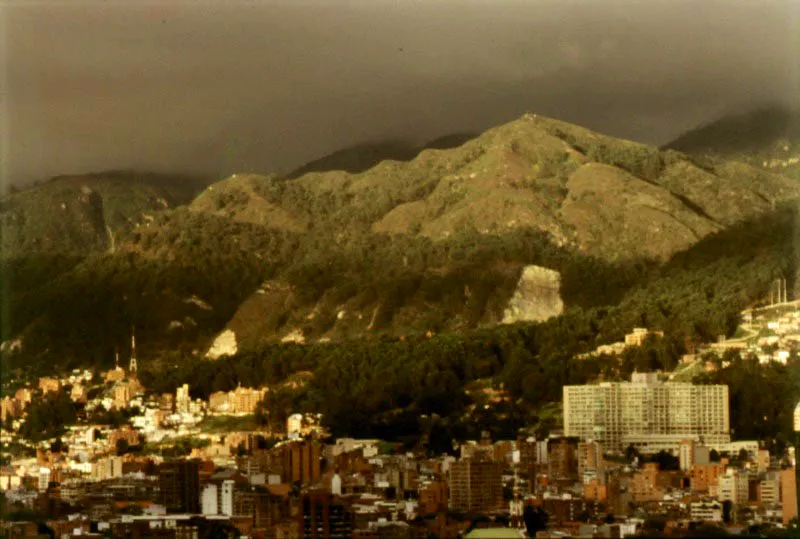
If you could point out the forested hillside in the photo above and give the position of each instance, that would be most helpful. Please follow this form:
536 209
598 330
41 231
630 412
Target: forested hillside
408 250
694 298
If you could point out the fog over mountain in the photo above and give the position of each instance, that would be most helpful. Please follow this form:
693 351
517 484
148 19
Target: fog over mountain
216 88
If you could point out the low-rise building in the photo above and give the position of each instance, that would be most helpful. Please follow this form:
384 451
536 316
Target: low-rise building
706 511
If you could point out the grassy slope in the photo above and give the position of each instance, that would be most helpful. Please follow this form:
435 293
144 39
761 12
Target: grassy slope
534 172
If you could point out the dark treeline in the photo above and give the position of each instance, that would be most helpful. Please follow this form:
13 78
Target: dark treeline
386 386
762 397
383 387
87 309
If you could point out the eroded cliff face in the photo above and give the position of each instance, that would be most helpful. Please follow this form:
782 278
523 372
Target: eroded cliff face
536 298
224 345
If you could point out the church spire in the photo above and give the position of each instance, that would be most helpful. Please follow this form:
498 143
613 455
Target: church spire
132 366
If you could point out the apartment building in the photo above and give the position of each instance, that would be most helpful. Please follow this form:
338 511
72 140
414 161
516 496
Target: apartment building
562 461
242 400
179 486
788 485
797 418
476 486
705 476
733 487
646 413
590 462
706 511
769 489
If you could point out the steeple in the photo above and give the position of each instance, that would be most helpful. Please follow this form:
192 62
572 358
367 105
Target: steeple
132 366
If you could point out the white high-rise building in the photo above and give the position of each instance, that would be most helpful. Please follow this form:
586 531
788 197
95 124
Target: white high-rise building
294 425
646 413
43 479
208 500
227 497
797 418
182 399
686 455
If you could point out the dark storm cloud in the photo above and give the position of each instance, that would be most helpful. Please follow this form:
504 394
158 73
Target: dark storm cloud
223 87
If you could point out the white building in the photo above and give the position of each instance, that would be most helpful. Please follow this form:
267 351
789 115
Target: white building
797 418
733 487
208 500
647 413
734 448
706 511
336 485
182 400
227 497
294 424
107 468
346 445
686 453
43 479
542 455
770 490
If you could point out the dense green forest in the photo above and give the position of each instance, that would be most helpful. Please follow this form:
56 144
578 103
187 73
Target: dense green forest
412 388
762 397
398 388
145 285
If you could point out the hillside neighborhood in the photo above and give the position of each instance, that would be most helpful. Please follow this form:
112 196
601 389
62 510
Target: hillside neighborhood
650 455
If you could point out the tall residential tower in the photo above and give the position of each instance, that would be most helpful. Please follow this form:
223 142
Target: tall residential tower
647 414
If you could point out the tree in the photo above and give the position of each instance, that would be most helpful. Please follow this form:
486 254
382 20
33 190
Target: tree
48 417
132 509
535 519
707 530
58 446
743 456
654 525
632 453
666 461
122 446
727 511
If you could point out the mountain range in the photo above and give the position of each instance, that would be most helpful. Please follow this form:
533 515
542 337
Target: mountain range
518 224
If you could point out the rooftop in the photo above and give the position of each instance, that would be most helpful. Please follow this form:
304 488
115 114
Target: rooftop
495 533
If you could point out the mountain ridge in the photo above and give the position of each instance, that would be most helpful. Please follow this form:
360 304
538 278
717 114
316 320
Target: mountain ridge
92 207
435 244
534 171
766 137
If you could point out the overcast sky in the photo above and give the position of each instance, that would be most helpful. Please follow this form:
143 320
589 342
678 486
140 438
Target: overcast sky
232 86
